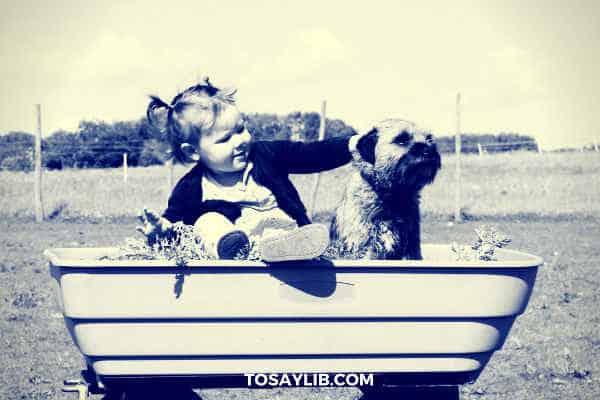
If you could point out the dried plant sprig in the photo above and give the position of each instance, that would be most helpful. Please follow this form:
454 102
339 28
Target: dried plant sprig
181 247
484 248
337 251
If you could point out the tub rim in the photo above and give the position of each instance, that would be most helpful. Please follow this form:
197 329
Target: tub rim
63 257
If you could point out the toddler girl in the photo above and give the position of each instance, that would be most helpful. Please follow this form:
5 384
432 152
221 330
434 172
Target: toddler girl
239 188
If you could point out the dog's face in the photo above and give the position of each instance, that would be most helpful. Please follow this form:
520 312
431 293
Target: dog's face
398 156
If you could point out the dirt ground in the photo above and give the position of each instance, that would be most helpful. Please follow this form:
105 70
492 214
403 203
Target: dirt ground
553 351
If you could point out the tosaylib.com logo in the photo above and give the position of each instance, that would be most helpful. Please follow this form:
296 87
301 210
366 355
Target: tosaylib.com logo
304 379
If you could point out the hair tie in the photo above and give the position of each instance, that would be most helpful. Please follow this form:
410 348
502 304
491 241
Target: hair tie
206 81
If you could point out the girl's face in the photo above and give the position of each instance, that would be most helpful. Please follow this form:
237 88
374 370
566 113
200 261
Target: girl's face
225 147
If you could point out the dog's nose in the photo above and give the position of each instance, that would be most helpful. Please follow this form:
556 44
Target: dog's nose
420 149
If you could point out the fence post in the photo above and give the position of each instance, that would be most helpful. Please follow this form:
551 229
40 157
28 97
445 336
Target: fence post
480 149
170 174
596 145
537 143
313 202
457 145
125 167
39 209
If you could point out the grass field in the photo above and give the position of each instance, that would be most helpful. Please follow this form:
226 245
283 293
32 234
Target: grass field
547 203
526 184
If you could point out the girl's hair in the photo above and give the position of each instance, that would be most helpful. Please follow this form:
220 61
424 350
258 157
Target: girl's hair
207 100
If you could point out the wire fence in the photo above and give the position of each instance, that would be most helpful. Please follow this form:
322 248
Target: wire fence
483 149
101 153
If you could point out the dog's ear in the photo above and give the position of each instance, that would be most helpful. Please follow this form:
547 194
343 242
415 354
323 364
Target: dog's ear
366 146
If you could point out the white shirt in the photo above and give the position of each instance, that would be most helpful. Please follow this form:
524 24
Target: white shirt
261 214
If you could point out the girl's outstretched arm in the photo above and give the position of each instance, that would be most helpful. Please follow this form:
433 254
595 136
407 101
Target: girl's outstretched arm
311 157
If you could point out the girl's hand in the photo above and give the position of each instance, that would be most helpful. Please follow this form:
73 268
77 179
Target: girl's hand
154 226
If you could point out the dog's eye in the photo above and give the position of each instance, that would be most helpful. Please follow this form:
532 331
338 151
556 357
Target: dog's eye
403 138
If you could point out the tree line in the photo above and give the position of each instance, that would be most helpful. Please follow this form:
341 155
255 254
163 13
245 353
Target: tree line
98 144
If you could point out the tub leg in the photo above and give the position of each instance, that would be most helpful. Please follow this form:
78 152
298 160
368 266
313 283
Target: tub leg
91 379
412 392
76 385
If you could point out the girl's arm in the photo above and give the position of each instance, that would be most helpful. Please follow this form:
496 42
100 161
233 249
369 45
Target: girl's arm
311 157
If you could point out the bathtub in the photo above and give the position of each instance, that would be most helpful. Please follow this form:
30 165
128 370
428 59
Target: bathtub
429 322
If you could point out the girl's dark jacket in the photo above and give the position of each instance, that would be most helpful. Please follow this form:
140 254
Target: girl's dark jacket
273 162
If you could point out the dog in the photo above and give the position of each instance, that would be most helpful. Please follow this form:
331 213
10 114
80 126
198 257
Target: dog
379 215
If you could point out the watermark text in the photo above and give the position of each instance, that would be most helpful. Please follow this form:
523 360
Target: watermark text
307 380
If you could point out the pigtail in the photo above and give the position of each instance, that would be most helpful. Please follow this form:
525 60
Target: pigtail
153 109
226 95
159 115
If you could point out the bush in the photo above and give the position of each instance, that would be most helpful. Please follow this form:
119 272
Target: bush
84 159
15 149
109 159
153 153
20 162
59 150
295 126
54 163
267 127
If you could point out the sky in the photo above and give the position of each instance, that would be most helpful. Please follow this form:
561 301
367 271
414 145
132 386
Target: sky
527 67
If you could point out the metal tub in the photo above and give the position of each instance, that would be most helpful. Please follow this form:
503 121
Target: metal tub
433 322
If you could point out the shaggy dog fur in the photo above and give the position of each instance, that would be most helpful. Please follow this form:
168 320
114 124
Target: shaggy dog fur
379 214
